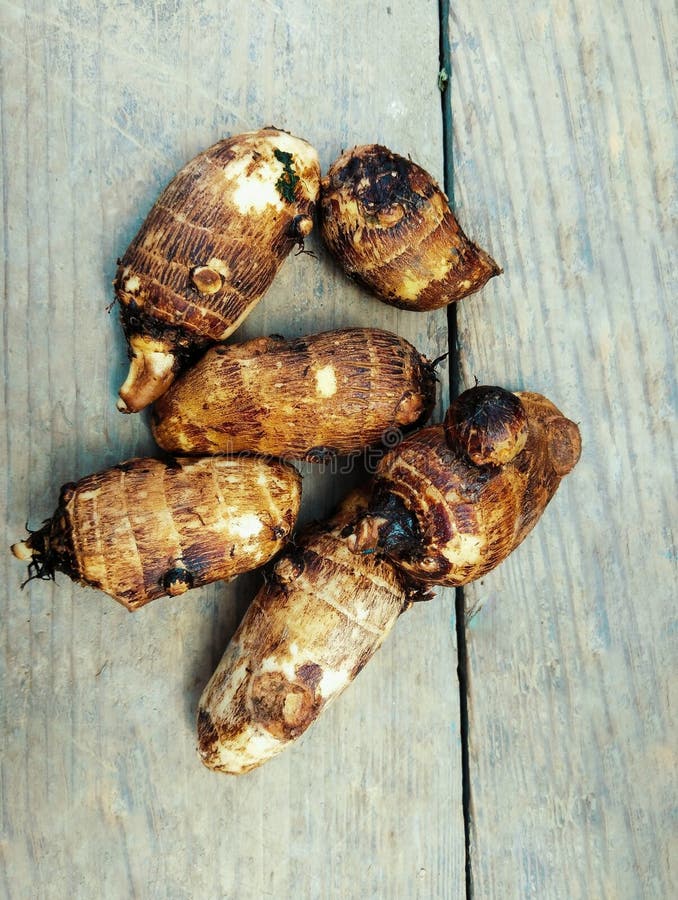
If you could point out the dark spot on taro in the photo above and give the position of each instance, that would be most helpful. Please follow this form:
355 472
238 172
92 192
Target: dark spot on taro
177 581
466 518
284 708
382 179
310 674
439 518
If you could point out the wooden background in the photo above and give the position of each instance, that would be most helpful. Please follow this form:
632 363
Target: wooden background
562 150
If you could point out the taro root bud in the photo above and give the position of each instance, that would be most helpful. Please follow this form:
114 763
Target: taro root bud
451 502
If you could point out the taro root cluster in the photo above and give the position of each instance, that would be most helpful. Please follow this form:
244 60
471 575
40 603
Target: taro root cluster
446 505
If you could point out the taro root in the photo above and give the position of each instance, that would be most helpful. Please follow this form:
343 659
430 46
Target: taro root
452 501
391 228
318 619
208 252
146 528
311 397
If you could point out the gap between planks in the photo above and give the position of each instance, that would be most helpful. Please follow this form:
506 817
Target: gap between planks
445 85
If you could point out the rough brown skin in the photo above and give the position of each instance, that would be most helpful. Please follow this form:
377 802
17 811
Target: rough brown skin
208 251
146 528
312 627
391 228
313 397
446 519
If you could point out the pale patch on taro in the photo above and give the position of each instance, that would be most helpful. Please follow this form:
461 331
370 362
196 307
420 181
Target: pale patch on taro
248 525
256 191
220 266
303 151
413 284
326 382
291 706
250 747
465 549
278 664
332 682
411 287
260 745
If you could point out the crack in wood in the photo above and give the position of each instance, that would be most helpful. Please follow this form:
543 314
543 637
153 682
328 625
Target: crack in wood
445 85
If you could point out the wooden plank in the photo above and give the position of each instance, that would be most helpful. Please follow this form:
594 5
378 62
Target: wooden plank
564 127
102 790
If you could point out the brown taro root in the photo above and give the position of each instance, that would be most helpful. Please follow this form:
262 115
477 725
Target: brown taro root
451 502
312 397
209 250
146 528
312 627
391 228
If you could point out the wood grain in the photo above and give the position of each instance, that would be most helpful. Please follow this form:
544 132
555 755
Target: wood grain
564 147
102 790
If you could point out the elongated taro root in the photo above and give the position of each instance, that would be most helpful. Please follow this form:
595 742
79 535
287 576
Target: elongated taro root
311 628
391 228
146 528
452 501
312 397
209 250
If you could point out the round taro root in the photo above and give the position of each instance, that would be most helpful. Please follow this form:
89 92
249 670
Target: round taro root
146 528
318 619
308 398
209 250
391 229
452 501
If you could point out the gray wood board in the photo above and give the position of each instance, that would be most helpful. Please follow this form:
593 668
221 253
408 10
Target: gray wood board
564 147
102 791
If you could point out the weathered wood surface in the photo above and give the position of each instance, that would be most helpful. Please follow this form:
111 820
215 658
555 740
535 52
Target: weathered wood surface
102 791
564 147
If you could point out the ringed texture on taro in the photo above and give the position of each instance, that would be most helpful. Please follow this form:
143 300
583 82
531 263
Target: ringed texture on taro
209 250
452 501
308 398
316 622
146 528
392 230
